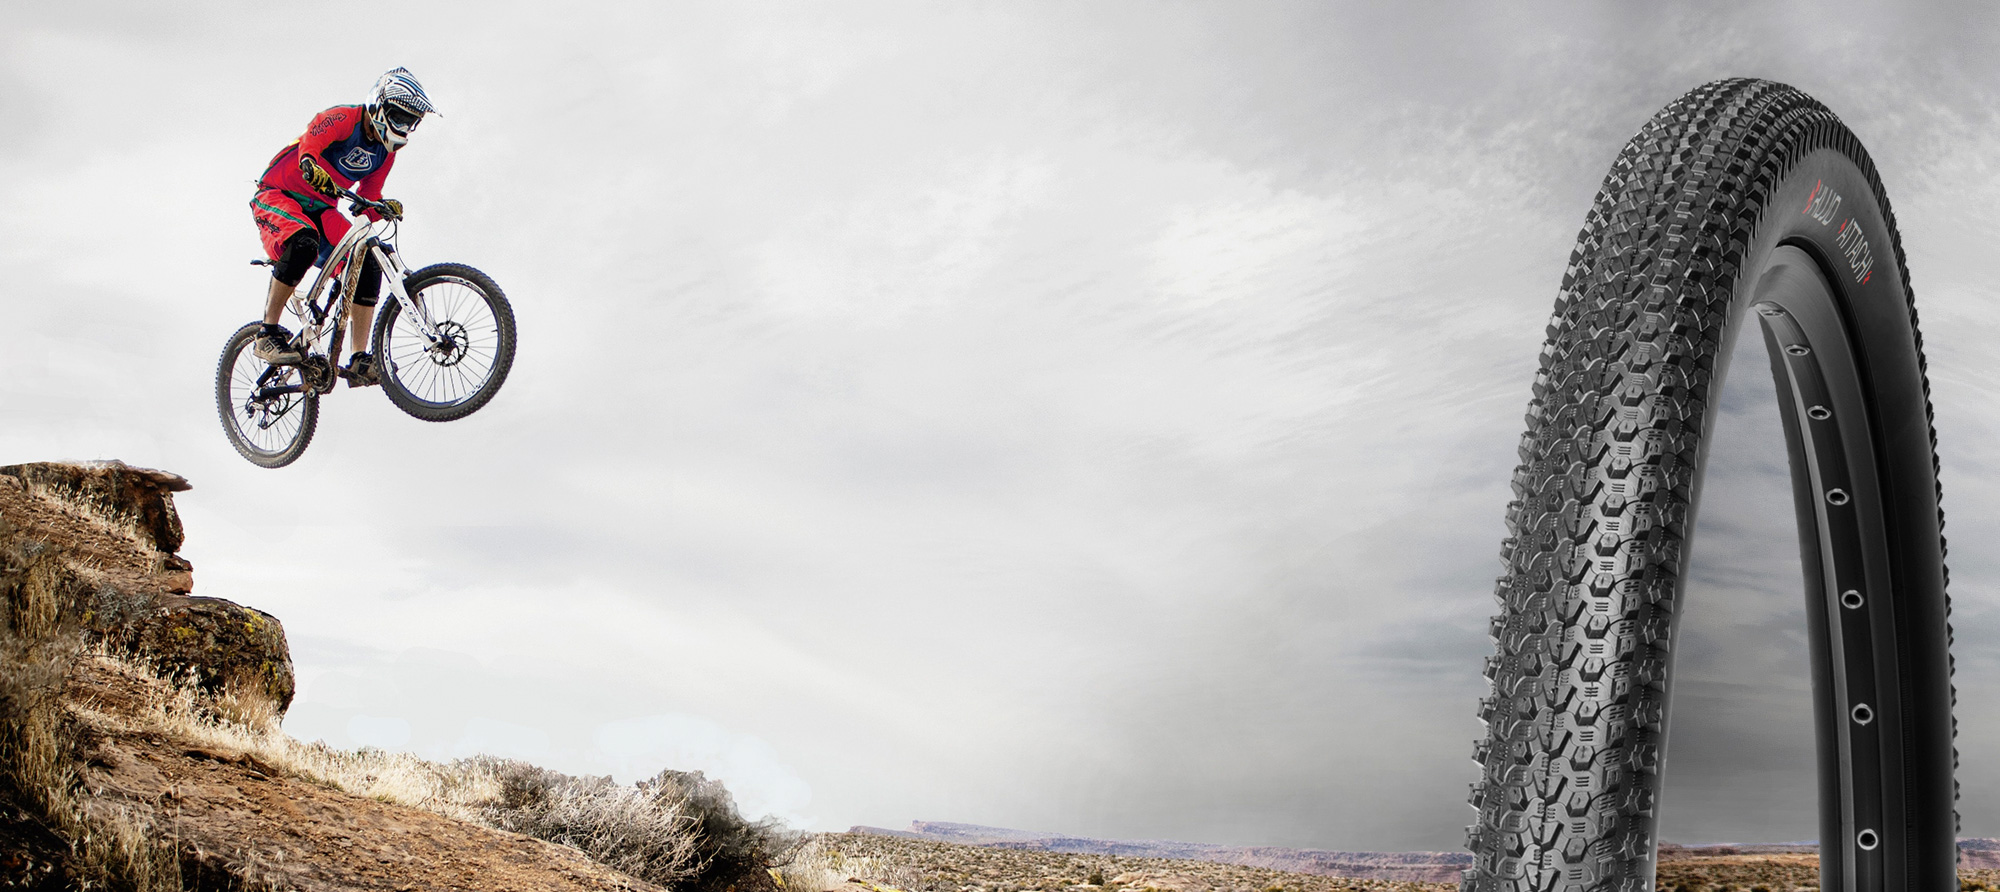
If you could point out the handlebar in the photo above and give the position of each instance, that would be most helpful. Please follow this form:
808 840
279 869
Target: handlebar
360 204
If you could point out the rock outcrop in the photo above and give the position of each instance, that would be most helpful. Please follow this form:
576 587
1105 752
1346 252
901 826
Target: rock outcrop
92 546
111 776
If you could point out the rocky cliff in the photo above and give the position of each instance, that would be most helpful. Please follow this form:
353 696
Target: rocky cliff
139 745
97 543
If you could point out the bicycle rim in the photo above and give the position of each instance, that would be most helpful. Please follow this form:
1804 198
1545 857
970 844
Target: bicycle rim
267 424
445 376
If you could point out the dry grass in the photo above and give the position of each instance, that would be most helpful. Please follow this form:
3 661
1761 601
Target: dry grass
39 741
1978 880
37 771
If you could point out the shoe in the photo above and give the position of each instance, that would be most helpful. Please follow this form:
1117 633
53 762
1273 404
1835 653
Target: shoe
274 345
360 371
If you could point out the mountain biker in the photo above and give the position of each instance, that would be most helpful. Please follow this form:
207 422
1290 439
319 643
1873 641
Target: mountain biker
299 223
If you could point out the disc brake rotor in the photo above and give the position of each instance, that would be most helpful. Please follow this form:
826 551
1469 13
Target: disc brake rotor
450 348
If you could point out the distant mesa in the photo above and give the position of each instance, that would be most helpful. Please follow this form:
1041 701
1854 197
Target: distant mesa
1418 867
1979 854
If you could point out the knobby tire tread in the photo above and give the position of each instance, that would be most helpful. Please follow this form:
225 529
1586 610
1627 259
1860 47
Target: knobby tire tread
1570 765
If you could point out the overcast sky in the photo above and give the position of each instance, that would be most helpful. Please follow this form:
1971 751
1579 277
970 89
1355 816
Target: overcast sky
1092 418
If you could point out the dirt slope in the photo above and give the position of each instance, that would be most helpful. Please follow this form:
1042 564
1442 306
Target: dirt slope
238 820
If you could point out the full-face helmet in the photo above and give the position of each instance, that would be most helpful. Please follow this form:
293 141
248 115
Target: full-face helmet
395 107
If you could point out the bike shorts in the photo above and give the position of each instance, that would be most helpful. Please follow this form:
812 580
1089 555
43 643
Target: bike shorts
280 214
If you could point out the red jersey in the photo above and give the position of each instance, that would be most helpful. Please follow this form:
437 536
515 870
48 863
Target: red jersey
339 143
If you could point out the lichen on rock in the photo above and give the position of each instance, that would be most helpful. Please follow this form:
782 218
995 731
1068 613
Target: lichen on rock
213 644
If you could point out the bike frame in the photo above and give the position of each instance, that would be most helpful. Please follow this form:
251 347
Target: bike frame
318 320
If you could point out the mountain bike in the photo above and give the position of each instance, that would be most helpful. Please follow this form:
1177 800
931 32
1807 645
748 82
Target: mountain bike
443 343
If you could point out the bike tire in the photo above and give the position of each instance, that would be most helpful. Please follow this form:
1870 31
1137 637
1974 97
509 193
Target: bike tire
236 375
427 384
1742 199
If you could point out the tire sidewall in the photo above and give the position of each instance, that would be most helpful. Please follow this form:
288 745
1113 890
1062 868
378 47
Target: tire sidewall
1853 240
1875 306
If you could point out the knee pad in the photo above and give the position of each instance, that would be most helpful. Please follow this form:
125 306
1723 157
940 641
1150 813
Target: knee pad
299 254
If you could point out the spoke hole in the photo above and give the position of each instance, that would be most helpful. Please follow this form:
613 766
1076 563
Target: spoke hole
1818 413
1851 599
1772 312
1867 840
1863 714
1836 497
1797 349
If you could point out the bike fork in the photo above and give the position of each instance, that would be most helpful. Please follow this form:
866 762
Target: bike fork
395 272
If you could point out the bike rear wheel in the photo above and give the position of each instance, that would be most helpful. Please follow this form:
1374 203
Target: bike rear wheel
267 411
454 377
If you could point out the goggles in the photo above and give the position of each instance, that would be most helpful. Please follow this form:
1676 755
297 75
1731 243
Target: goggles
400 118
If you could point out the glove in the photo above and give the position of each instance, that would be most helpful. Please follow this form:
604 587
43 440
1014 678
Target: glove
320 180
393 208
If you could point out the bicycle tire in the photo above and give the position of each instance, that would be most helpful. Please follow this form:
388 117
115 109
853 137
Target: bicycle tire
412 374
1743 198
231 391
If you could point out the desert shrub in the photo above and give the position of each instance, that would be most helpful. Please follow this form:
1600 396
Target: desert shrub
817 864
648 834
729 849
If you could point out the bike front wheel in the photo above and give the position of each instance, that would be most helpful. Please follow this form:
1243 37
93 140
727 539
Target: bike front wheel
457 373
267 410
